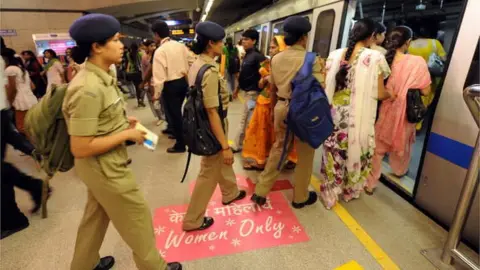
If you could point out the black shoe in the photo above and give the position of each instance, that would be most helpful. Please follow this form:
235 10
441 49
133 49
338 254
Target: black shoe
174 266
173 150
6 233
240 196
207 223
312 198
105 263
258 199
141 104
37 199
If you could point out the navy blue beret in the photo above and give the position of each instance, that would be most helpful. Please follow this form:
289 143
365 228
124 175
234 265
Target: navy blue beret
94 27
297 25
210 30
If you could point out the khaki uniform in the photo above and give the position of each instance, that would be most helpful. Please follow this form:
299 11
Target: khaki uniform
213 171
285 66
93 107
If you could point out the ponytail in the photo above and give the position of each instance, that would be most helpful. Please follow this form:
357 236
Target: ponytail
362 30
341 77
395 40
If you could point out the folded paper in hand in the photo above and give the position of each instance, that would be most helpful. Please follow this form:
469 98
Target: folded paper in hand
151 138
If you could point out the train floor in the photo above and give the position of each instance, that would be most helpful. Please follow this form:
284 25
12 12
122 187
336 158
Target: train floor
382 231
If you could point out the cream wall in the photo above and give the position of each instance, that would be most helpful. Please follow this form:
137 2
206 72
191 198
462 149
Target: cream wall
28 23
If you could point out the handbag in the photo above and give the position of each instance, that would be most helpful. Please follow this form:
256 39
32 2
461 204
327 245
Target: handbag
416 110
435 63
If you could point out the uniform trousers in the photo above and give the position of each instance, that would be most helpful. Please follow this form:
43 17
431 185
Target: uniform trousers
303 170
113 195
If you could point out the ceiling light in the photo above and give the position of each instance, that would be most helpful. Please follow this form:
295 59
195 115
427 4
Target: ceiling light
209 6
172 22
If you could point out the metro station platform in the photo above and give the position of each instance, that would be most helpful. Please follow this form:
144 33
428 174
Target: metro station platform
373 232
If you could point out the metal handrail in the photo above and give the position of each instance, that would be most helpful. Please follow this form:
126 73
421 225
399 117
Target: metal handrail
442 259
471 96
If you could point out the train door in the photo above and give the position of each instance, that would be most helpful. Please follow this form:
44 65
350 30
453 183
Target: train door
326 22
453 132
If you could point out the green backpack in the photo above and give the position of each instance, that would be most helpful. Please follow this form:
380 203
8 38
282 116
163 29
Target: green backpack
46 129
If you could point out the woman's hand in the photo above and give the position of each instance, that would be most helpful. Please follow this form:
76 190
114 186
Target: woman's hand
136 135
132 121
227 156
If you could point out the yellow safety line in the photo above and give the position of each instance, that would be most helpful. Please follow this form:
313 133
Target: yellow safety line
373 248
351 265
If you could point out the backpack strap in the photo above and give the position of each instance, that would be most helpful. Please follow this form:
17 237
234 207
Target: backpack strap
307 66
200 74
187 166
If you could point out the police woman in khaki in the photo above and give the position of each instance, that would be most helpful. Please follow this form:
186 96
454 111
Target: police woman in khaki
216 169
98 128
285 66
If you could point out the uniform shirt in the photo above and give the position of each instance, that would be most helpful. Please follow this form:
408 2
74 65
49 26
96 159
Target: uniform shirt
249 75
210 83
170 62
93 104
285 67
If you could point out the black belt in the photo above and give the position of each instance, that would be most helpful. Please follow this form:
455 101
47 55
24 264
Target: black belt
282 99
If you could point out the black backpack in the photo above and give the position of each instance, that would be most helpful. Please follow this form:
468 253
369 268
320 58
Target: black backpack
197 133
233 62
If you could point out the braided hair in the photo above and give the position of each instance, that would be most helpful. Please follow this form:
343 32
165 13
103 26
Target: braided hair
396 39
362 30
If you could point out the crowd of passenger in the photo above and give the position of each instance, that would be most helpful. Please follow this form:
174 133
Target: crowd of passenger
375 66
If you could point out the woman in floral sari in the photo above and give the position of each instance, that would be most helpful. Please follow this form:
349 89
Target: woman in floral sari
355 78
259 136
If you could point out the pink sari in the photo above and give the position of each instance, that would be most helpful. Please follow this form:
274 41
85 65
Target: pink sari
408 73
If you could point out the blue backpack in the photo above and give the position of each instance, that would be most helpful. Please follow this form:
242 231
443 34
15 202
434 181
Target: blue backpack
309 116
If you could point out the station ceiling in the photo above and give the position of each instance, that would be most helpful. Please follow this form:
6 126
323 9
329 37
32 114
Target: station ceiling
187 12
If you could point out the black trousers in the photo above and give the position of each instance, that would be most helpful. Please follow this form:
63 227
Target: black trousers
174 95
10 215
16 139
136 79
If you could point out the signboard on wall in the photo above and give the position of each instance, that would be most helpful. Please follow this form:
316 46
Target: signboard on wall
57 42
8 32
179 32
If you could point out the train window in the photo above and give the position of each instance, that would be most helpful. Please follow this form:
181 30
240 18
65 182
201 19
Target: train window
323 33
278 29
